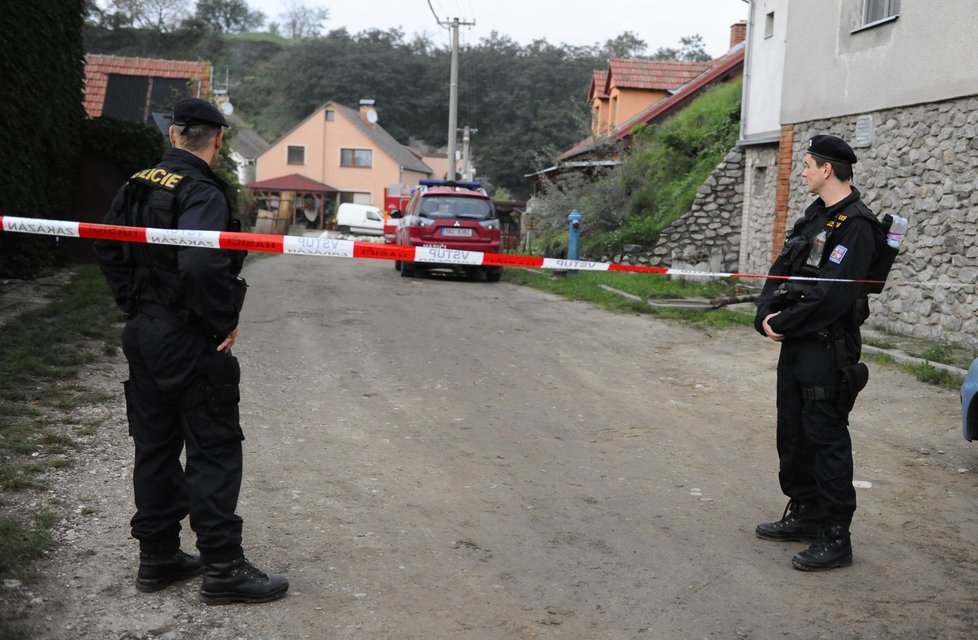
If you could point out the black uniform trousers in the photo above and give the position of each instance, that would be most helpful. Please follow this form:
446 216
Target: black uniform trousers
814 446
167 411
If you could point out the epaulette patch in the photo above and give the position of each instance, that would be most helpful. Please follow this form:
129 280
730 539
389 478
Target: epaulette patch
836 221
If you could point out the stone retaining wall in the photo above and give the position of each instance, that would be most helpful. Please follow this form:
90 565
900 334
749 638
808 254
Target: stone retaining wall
707 237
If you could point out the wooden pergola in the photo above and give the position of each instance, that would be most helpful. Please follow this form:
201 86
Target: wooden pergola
274 191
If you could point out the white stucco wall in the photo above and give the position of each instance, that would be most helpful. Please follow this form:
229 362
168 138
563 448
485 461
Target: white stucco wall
927 54
763 71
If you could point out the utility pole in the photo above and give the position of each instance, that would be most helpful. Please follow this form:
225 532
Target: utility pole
453 94
466 163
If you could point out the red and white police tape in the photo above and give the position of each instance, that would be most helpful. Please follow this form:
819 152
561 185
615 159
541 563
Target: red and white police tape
323 246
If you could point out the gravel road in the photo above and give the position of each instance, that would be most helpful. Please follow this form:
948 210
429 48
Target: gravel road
438 458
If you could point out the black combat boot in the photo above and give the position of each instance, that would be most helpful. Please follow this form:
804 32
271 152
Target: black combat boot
799 522
159 570
239 581
832 549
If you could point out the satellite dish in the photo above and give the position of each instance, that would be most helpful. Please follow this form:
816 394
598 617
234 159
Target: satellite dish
371 116
227 107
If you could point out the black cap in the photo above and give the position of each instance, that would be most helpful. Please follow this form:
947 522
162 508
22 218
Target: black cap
191 111
831 148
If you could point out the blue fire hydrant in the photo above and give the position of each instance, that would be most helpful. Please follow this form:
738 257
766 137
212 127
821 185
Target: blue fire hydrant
573 234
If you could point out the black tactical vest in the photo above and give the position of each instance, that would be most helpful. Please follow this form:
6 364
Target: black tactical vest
151 200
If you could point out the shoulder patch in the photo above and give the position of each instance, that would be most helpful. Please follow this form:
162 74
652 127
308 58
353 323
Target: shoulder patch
838 254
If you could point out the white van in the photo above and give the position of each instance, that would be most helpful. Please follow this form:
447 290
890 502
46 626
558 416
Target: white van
363 219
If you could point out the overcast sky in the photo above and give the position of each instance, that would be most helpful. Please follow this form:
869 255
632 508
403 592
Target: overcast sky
660 23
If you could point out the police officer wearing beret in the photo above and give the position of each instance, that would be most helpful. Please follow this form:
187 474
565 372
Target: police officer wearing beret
182 305
818 374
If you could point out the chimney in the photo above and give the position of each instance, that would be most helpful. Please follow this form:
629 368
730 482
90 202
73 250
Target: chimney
738 33
367 112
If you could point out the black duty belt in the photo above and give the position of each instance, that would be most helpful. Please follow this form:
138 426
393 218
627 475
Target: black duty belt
162 312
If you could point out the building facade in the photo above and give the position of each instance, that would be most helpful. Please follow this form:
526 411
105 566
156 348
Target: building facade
344 148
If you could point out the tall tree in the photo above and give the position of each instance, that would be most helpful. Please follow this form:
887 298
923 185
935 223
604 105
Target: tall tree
691 49
627 45
302 21
159 15
233 16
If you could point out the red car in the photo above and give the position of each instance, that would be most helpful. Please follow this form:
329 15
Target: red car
453 218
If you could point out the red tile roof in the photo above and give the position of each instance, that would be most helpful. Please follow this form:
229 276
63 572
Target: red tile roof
662 75
598 81
98 68
724 67
292 182
727 66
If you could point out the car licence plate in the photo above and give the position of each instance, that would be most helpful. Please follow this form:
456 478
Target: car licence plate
457 232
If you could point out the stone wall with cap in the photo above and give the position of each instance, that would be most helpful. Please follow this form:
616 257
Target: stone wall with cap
921 162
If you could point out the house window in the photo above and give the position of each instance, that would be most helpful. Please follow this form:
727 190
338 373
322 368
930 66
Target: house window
330 116
356 158
879 10
296 155
769 25
355 197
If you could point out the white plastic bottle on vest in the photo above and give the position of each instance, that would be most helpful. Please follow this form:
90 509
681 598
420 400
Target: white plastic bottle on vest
897 230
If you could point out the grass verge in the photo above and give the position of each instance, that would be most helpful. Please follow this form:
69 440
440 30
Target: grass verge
585 286
45 350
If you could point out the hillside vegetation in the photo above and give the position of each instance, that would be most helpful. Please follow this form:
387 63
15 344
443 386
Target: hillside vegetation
654 185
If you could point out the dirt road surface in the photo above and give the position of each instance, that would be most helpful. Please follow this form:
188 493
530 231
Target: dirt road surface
437 458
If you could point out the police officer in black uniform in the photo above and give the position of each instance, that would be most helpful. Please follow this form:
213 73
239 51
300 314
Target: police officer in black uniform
817 323
182 305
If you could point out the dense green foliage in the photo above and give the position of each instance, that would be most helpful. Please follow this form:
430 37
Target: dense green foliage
130 145
655 183
527 102
41 111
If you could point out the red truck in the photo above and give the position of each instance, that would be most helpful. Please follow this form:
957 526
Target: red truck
396 196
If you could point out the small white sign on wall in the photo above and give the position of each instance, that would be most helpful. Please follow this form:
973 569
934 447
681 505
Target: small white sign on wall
864 132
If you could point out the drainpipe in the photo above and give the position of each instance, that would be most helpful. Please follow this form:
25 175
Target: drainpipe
745 96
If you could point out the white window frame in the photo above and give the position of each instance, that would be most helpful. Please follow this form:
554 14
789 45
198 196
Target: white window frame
769 24
889 10
288 153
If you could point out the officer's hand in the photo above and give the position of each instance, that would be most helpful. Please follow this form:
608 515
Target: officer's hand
229 341
768 331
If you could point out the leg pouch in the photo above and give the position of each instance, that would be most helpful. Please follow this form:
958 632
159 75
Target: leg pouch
222 376
852 380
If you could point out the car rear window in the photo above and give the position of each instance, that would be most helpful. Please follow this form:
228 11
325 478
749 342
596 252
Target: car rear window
456 207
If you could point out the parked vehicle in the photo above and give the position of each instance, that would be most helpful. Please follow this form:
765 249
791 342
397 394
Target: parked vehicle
969 407
363 219
450 215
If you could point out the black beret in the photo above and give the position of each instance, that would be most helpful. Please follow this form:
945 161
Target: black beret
190 111
831 148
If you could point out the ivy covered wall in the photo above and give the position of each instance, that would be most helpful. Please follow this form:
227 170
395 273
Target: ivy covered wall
42 72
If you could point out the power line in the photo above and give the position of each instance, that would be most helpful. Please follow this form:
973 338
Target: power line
437 19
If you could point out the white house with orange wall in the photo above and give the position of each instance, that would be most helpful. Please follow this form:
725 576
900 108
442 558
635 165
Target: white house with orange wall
346 149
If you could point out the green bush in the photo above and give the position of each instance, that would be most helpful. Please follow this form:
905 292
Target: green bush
43 76
129 145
